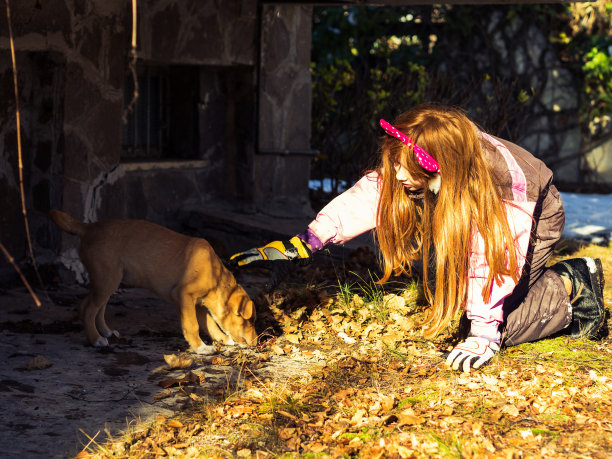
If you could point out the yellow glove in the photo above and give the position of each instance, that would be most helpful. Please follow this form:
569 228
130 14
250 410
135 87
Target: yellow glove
293 249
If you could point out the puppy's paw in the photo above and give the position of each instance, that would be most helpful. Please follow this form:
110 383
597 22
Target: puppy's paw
100 342
204 349
229 341
110 333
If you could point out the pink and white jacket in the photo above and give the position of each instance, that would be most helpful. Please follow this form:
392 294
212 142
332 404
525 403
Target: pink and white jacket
355 212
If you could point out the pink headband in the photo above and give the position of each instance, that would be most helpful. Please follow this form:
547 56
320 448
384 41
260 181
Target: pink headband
425 160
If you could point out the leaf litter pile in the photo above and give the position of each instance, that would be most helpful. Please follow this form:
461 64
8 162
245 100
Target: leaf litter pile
371 386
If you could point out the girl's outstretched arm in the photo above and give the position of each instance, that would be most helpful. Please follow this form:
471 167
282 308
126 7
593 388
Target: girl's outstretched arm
345 217
350 214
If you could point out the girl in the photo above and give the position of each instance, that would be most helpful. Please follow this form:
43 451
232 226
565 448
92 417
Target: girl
486 216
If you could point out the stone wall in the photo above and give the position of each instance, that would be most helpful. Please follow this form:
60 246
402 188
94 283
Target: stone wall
41 95
599 161
284 154
70 90
72 60
198 32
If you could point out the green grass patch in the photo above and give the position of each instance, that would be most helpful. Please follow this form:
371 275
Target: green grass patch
365 435
366 293
403 403
563 351
396 354
557 416
449 446
345 296
288 404
544 433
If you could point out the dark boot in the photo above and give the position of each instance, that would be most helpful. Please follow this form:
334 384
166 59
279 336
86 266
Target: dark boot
588 310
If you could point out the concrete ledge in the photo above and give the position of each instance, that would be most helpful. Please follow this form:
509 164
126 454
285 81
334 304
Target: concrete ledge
133 166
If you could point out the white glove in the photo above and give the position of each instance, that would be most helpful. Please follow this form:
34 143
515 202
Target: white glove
474 352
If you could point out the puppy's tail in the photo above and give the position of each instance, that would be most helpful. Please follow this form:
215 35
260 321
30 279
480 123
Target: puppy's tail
67 223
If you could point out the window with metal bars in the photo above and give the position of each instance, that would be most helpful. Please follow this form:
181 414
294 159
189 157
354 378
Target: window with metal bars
162 123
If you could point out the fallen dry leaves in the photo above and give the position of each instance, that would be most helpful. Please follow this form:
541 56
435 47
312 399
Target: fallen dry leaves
38 362
178 361
375 388
188 378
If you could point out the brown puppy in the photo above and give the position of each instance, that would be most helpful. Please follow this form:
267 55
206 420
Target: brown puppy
180 269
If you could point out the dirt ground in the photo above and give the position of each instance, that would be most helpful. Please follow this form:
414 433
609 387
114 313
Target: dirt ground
58 392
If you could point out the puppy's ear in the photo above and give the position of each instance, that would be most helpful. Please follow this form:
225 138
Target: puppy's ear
248 310
242 305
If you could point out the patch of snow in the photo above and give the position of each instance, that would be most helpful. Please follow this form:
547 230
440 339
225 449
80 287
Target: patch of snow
587 216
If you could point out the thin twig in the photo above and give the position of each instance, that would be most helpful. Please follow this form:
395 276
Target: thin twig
133 59
19 152
91 439
23 279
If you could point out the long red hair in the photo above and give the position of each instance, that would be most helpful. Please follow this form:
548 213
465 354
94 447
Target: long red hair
439 228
